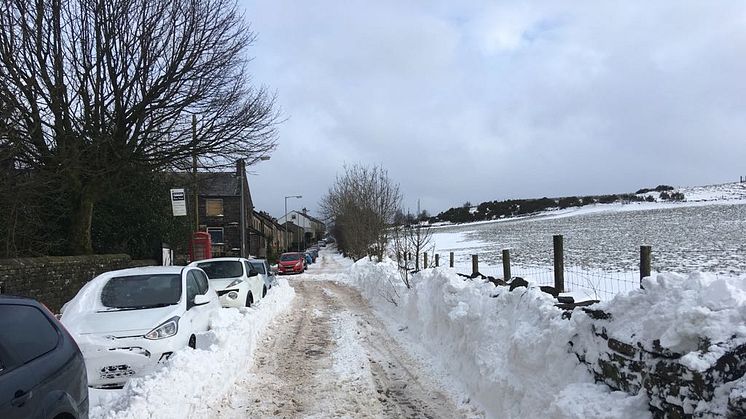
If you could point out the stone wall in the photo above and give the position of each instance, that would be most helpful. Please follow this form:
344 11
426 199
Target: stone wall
54 280
675 391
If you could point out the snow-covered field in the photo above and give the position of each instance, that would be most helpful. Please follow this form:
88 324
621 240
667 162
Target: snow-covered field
193 382
508 352
602 243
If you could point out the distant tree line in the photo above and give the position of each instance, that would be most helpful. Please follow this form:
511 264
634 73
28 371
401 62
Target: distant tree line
491 210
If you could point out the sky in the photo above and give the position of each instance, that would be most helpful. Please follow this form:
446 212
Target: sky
490 100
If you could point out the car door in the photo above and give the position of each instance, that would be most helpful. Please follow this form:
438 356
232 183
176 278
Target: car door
198 285
191 318
256 282
26 340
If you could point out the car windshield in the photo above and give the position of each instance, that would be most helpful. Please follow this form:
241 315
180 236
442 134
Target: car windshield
289 256
142 291
222 269
258 266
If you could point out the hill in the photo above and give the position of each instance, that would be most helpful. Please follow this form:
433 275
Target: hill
493 210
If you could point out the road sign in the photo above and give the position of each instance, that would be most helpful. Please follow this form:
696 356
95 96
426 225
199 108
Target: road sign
178 202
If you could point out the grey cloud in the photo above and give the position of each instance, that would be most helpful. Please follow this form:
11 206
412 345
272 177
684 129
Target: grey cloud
490 100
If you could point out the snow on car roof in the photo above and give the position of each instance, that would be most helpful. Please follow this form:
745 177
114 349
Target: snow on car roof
145 270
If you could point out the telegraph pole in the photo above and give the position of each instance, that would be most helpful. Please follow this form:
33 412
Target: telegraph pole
194 172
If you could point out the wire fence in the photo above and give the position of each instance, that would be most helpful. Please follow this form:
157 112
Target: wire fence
598 272
580 271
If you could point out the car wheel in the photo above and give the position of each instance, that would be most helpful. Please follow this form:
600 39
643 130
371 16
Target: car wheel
249 300
264 292
192 342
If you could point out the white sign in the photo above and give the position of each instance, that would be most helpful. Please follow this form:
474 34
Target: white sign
178 202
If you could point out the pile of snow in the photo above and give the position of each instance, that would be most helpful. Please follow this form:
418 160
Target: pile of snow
194 382
682 312
508 351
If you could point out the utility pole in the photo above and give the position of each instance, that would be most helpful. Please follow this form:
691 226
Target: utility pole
194 172
241 174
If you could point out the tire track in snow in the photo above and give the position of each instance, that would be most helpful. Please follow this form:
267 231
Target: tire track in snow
329 356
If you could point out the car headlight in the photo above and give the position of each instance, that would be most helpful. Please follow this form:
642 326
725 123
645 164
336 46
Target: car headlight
165 330
234 283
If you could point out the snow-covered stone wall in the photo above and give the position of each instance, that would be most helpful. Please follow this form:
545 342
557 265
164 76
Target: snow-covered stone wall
681 341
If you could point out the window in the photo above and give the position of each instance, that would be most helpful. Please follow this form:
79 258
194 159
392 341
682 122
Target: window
192 289
201 281
25 334
214 207
216 234
142 291
259 267
222 269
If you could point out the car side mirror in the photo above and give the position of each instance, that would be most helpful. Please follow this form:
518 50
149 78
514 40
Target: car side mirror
253 272
201 299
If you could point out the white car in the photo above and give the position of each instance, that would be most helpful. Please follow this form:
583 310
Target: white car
236 281
262 266
128 322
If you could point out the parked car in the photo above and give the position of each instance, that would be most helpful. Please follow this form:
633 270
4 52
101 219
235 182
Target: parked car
291 262
42 372
309 258
235 280
128 322
262 266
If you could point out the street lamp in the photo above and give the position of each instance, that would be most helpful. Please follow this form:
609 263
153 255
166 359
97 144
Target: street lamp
241 175
286 218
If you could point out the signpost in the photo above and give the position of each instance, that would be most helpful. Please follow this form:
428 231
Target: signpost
178 202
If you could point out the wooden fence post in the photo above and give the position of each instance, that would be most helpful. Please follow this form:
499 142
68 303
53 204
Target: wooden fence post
474 264
437 260
450 262
646 259
417 262
506 265
424 260
559 263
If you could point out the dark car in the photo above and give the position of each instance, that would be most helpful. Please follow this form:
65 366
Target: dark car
42 373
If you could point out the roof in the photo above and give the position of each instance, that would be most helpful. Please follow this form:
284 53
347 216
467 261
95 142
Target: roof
212 183
313 218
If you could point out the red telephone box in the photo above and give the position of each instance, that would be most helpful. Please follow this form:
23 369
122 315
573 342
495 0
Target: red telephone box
200 247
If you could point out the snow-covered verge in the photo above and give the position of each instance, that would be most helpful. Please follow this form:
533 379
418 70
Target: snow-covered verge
193 382
510 352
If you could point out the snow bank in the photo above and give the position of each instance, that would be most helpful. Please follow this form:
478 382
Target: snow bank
682 312
508 350
194 382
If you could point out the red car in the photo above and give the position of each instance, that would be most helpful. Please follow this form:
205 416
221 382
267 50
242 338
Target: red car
292 262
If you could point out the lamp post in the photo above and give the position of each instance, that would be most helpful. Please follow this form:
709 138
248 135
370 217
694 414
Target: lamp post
287 245
242 177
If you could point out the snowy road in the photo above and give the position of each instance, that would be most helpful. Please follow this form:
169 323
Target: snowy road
329 356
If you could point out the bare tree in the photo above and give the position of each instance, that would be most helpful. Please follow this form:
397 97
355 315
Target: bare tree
409 243
361 205
90 87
